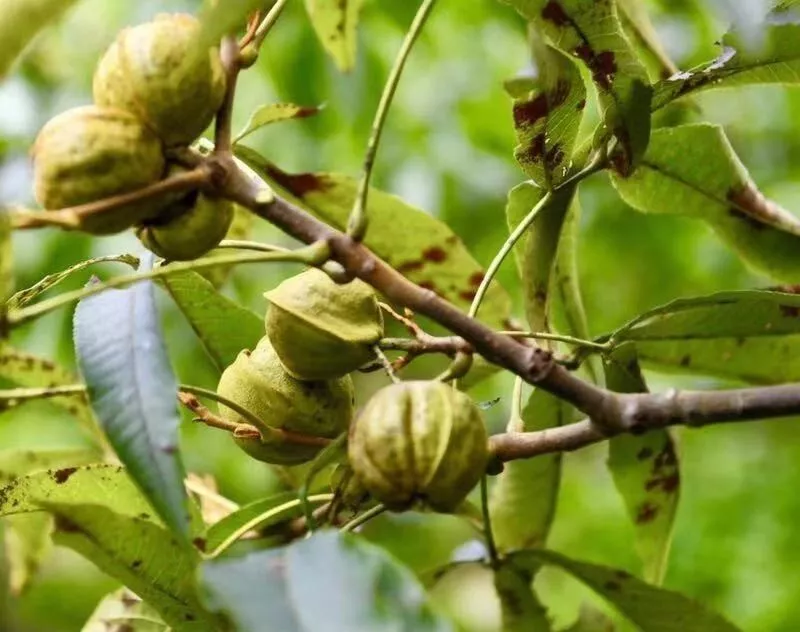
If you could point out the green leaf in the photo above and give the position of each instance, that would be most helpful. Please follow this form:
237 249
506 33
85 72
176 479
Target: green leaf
28 370
591 32
520 608
24 297
122 356
523 498
124 611
535 252
642 34
692 170
548 117
355 586
650 608
27 537
773 58
100 514
273 113
223 326
645 471
260 514
750 335
335 23
419 246
20 21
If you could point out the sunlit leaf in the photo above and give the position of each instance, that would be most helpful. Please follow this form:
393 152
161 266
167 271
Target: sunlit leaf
123 359
101 514
650 608
335 23
523 497
645 471
520 608
749 335
124 611
773 57
548 117
419 246
27 536
692 170
356 588
27 370
20 21
591 32
273 113
223 326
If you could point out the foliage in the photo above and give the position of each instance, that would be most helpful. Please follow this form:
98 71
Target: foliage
95 451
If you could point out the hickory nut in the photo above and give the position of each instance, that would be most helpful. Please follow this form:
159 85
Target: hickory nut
321 329
160 71
89 153
189 228
258 382
419 442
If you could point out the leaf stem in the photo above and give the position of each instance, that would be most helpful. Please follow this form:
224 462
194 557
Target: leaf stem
491 547
268 22
571 340
357 223
365 517
310 255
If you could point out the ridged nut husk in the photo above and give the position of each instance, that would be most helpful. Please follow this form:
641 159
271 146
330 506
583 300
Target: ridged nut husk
189 228
160 71
321 329
258 382
419 442
90 153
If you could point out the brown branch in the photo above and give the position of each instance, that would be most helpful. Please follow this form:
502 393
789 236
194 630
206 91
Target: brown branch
71 217
642 412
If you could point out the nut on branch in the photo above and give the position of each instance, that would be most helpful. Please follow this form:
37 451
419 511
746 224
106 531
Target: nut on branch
258 382
321 329
90 153
419 441
160 71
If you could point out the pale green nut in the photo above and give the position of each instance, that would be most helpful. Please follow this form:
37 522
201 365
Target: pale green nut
162 72
321 329
419 442
258 382
90 153
189 228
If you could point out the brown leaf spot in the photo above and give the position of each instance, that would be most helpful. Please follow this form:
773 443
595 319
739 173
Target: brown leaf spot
686 360
526 113
200 544
612 585
435 254
476 279
136 564
299 184
671 483
410 266
554 12
467 295
581 104
427 285
62 475
644 454
790 311
554 157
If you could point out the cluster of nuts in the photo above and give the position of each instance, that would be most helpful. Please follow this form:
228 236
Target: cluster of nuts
155 88
414 442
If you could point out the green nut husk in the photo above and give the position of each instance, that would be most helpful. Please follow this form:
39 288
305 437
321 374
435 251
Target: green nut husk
321 329
258 382
189 228
161 72
90 153
419 442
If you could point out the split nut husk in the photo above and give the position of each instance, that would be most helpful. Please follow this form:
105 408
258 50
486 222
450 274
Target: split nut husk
162 72
189 228
322 329
258 382
91 153
419 442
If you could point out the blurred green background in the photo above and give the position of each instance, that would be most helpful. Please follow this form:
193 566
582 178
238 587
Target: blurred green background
448 149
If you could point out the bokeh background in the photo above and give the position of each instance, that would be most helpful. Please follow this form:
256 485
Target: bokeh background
448 149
